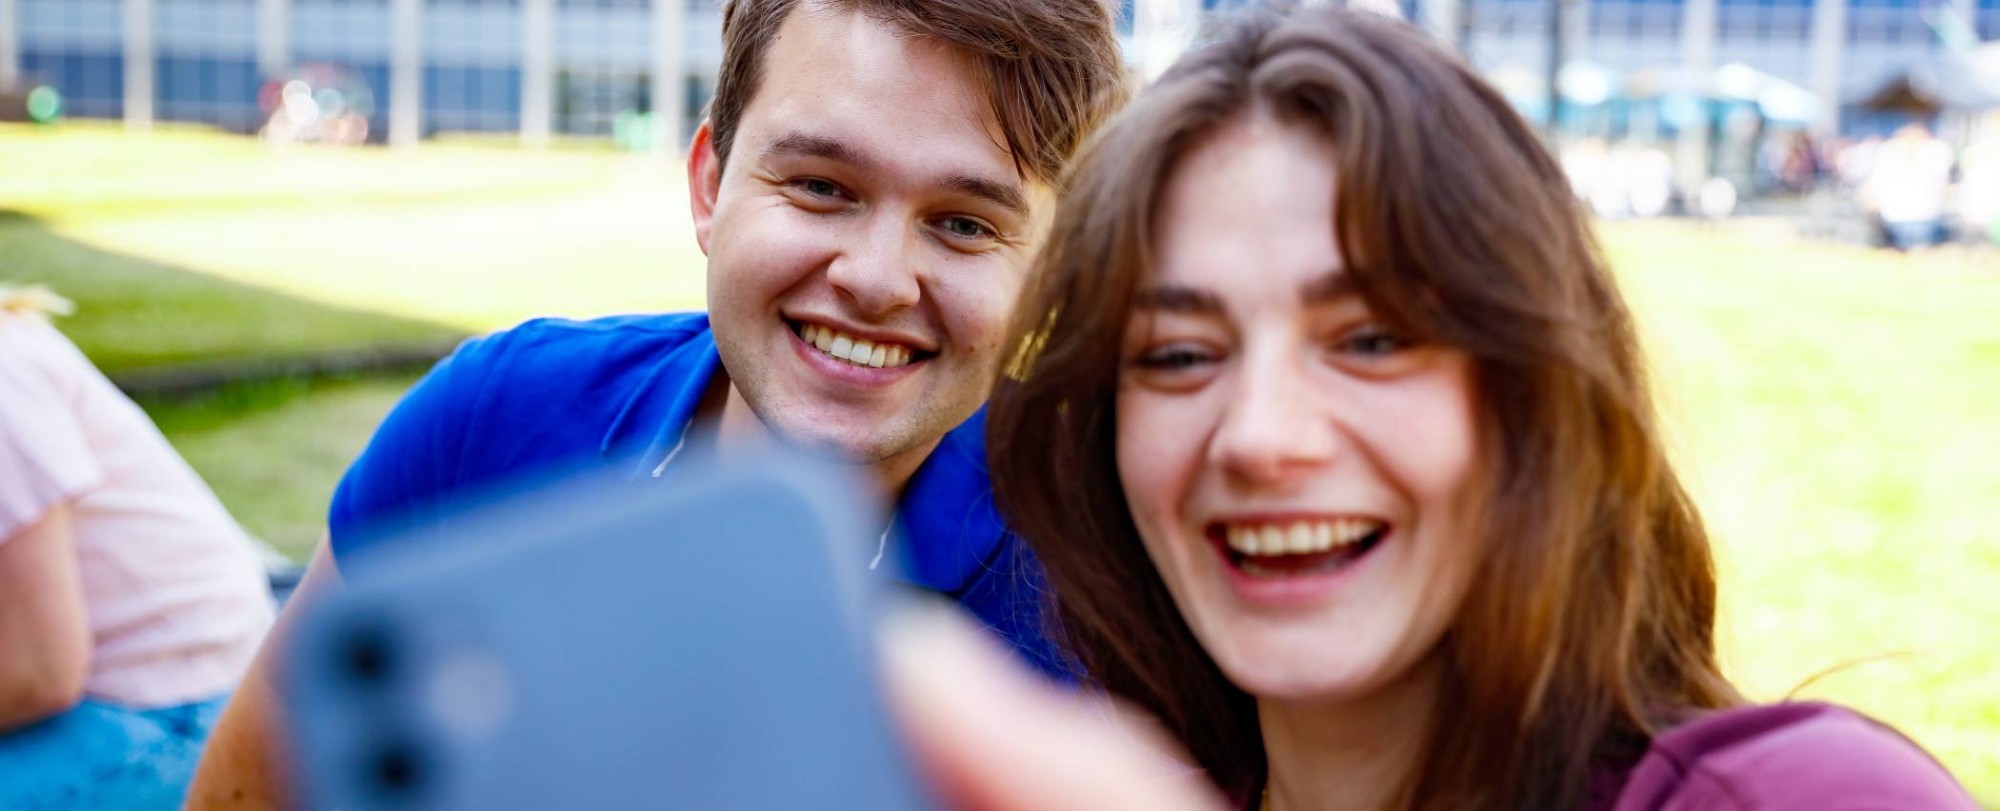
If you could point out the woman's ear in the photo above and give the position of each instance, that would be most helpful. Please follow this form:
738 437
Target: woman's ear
704 181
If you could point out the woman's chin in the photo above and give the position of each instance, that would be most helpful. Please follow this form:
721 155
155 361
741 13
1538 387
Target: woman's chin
1302 680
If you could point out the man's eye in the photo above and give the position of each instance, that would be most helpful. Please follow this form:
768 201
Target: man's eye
817 187
967 228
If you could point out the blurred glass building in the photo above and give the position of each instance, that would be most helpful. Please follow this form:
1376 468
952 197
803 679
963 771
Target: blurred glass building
571 67
412 68
1841 52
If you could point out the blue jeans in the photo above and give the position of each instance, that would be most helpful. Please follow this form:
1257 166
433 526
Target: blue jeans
103 756
1905 236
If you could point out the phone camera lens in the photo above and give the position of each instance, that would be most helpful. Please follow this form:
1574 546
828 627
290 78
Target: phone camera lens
396 770
367 654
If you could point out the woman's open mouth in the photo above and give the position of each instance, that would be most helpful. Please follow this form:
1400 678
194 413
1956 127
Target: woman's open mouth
1296 547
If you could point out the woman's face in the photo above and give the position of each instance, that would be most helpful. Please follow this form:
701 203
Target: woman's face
1301 474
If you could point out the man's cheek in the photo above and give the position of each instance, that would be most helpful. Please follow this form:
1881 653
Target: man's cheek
976 315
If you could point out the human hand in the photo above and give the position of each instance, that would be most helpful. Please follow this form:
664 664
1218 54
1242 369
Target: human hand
992 738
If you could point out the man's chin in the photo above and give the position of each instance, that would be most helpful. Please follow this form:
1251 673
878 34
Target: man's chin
862 433
853 446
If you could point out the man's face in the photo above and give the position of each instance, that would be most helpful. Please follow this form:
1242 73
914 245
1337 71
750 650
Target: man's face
866 241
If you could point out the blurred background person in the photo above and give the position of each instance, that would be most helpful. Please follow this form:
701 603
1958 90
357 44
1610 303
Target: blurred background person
1800 168
1651 180
1906 186
130 601
1854 163
1979 190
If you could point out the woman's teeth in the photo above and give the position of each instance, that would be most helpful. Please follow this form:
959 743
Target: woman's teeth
1299 537
857 351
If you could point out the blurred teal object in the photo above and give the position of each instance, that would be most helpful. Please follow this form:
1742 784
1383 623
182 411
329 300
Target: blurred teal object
44 104
633 130
30 102
1682 110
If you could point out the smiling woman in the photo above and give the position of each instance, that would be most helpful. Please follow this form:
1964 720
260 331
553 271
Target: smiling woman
1392 523
1263 432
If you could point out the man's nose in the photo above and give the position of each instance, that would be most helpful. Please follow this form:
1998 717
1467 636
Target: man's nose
877 271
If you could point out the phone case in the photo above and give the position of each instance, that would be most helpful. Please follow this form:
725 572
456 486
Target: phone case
607 645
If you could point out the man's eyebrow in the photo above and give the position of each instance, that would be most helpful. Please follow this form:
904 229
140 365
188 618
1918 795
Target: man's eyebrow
1004 195
804 144
1178 299
818 146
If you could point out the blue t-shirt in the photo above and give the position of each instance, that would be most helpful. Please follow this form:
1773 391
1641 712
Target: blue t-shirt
555 396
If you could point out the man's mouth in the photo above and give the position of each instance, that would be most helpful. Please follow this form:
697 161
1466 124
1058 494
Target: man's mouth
1301 546
855 350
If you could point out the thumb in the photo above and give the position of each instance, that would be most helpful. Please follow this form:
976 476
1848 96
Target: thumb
993 738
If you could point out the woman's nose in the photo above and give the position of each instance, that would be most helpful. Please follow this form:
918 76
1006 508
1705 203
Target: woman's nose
1274 424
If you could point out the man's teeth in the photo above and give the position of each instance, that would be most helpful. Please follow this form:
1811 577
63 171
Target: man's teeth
857 351
1299 537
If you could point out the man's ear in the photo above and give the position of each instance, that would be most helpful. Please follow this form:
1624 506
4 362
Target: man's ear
704 181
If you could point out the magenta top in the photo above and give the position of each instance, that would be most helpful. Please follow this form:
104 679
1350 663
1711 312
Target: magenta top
1777 757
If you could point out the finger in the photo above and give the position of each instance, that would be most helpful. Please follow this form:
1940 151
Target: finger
994 739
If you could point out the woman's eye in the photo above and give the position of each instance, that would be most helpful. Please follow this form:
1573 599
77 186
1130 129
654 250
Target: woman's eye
1374 341
1172 359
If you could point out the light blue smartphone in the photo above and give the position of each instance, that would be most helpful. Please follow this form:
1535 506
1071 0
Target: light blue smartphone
608 645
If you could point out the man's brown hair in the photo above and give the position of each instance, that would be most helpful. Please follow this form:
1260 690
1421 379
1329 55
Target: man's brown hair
1590 624
1051 68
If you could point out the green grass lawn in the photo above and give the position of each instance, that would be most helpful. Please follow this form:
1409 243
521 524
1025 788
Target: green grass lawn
274 450
185 245
137 313
1836 410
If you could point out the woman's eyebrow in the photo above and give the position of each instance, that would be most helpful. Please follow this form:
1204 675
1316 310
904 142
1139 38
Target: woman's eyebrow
1177 299
1333 285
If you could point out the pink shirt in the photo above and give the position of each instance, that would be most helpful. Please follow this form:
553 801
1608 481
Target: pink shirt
176 595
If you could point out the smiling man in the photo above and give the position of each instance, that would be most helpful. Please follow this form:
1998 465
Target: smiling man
869 187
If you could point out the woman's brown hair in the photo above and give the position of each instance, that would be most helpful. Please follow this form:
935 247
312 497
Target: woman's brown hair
1589 625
